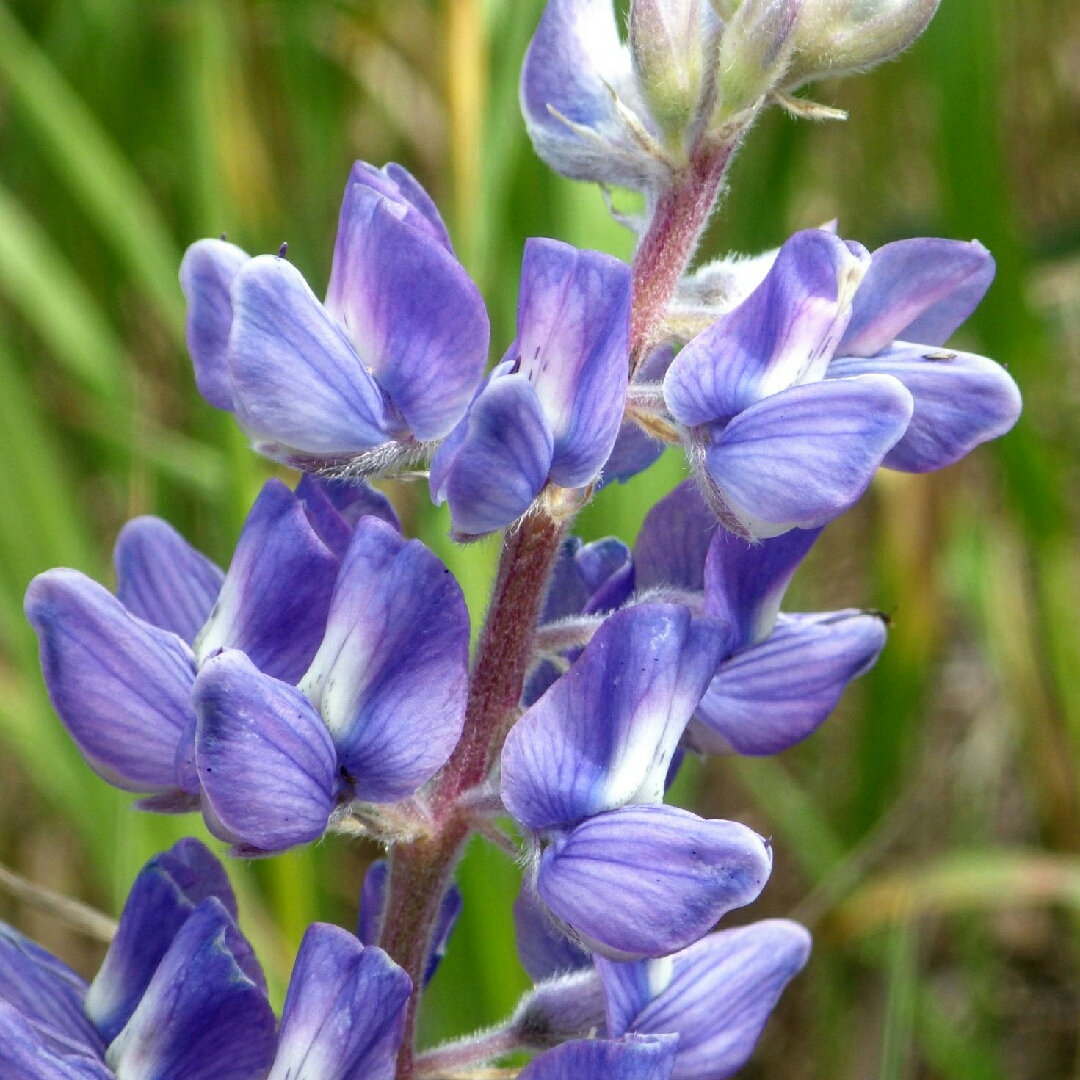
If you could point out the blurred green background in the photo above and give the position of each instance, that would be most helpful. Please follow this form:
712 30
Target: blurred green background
930 833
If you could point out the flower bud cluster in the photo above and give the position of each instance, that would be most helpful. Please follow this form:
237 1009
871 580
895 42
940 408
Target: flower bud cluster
691 73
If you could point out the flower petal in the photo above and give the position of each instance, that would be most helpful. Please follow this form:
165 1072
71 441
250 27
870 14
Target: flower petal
573 63
502 461
297 382
344 1011
29 1051
721 991
355 499
775 694
265 759
206 276
801 458
588 577
673 542
165 893
162 579
634 452
573 328
398 186
744 583
391 676
650 880
121 686
543 948
43 988
781 335
201 1017
603 736
919 290
635 1058
961 400
411 311
276 595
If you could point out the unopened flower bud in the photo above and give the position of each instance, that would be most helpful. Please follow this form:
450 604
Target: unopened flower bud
755 52
838 37
672 43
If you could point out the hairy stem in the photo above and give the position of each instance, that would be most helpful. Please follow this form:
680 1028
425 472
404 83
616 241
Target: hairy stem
478 1049
420 873
668 245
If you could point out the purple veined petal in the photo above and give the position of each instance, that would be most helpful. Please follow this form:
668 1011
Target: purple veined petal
373 900
414 194
44 988
573 63
567 591
30 1051
603 736
391 676
400 187
323 516
637 1057
919 290
297 382
630 987
207 272
961 400
544 950
344 1011
121 686
745 583
264 756
608 569
201 1017
276 595
588 578
502 461
674 540
721 991
634 452
775 694
162 579
573 329
783 334
650 880
802 457
165 893
354 499
411 311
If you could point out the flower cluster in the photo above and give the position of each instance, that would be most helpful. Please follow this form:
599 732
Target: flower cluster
323 683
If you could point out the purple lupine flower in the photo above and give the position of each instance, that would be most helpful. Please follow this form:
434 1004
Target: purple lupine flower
785 429
120 669
782 674
344 1011
388 363
551 410
584 771
181 994
376 714
715 995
